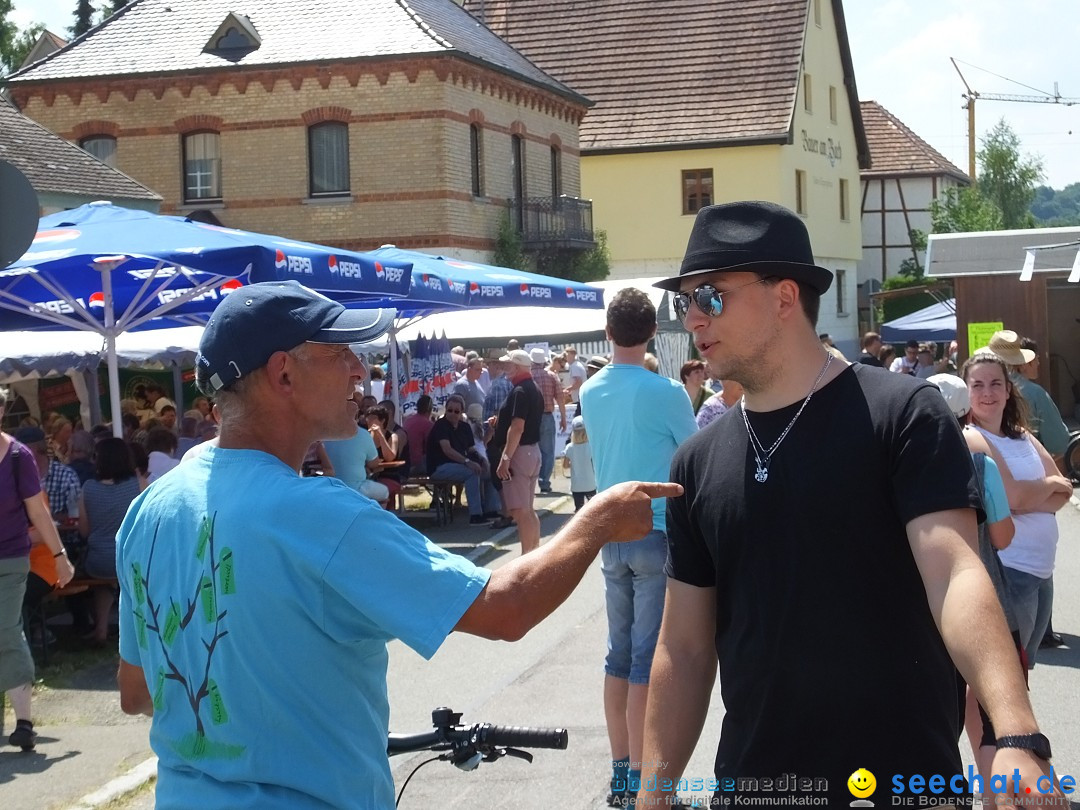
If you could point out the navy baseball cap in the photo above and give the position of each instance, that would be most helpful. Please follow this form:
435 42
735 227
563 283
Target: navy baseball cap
257 320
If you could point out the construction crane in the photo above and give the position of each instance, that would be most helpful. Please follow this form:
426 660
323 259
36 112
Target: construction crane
972 95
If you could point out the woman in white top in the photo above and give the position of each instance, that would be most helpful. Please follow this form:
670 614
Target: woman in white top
1034 488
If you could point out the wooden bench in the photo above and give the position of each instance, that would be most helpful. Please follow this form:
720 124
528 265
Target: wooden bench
442 498
77 586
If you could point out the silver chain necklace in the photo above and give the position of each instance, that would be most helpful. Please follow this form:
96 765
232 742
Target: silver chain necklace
763 456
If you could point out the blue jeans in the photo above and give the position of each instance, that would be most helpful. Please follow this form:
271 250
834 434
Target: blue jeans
547 449
1024 592
634 586
459 472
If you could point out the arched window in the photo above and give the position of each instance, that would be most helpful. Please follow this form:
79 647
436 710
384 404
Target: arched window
476 159
202 167
328 159
103 147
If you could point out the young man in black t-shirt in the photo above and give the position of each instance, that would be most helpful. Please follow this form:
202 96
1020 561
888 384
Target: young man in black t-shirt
822 553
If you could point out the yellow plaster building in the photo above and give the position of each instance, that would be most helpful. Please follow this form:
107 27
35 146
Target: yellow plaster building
707 101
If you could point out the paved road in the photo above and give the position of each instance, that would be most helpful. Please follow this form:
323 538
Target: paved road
551 678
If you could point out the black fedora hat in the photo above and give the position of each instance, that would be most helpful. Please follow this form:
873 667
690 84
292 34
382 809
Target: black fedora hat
756 237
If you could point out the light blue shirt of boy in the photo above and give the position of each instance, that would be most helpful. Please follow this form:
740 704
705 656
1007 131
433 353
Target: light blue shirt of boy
995 501
349 457
259 605
635 420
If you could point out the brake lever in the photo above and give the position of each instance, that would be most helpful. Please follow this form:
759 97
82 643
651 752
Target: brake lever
517 752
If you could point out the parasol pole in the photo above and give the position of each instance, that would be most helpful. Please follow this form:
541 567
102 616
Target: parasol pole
396 393
110 352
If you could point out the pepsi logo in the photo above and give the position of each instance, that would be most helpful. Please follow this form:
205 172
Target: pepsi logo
332 262
56 235
570 292
474 287
229 286
97 300
379 271
279 260
524 289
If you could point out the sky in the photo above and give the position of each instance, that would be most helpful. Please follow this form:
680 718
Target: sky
901 51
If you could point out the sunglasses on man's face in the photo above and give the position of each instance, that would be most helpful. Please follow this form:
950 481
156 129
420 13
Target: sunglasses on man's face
708 299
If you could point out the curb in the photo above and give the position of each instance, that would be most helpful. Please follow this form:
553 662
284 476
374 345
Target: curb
118 787
495 543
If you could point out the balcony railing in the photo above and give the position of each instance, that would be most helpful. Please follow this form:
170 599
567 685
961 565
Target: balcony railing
554 223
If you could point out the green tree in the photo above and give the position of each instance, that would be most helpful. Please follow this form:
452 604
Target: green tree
509 251
591 265
84 18
1007 178
958 210
8 33
15 45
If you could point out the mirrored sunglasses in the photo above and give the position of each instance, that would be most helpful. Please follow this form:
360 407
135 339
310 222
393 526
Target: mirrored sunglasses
708 299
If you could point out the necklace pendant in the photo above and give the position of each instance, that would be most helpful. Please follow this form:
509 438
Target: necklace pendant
761 475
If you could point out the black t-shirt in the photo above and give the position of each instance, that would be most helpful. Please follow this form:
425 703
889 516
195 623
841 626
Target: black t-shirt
868 359
525 402
461 439
830 659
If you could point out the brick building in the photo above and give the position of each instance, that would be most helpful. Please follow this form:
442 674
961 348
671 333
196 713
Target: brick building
347 122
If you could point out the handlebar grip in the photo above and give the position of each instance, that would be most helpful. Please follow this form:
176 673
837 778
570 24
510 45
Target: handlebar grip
522 736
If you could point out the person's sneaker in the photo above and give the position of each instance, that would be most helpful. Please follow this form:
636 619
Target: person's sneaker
478 520
23 736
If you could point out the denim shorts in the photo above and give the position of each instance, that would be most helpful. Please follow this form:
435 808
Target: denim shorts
634 587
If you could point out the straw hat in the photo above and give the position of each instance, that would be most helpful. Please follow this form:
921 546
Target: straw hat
1006 345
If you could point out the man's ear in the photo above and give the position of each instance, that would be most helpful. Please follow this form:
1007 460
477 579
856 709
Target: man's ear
278 370
787 296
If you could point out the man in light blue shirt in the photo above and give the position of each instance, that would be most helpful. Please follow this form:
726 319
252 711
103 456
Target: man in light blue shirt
635 420
256 605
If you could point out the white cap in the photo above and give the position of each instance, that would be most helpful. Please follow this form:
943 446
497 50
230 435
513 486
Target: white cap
955 391
518 357
538 354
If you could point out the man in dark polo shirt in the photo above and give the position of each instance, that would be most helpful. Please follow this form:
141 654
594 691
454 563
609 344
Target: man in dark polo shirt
516 441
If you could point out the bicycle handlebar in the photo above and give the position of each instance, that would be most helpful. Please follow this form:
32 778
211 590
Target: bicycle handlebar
449 734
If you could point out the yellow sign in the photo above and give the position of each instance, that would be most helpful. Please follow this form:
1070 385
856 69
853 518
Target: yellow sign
979 334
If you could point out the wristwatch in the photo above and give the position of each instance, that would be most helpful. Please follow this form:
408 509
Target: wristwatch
1035 743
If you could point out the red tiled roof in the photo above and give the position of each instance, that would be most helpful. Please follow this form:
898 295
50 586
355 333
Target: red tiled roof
895 149
674 74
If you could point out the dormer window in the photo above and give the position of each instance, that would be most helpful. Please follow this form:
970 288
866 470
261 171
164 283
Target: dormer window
235 38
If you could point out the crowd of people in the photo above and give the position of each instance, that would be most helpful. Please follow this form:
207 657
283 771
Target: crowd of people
808 501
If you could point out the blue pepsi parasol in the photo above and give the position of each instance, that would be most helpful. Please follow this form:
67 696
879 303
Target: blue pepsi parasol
106 269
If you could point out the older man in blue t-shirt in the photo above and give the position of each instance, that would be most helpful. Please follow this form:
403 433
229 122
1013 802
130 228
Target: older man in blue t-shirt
256 605
634 419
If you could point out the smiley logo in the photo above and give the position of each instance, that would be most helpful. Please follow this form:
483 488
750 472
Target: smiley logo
861 783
